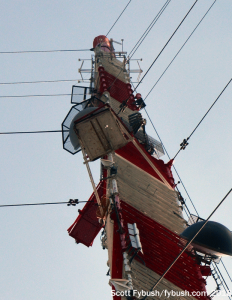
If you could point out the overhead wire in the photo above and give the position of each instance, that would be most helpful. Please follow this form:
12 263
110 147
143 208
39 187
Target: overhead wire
180 149
180 50
118 17
226 270
185 141
210 108
39 81
43 51
70 80
166 43
29 96
144 35
156 84
69 203
26 132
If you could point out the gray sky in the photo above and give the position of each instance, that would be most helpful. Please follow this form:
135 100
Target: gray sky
38 259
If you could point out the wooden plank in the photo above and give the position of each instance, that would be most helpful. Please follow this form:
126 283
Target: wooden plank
144 279
149 195
140 179
90 140
160 215
109 124
100 134
155 195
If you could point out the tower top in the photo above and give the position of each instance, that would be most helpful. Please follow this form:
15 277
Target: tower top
102 40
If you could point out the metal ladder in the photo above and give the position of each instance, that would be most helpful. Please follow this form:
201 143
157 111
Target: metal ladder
217 279
220 282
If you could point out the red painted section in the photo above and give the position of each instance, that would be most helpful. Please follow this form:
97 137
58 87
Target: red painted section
119 245
130 153
86 226
161 246
103 41
118 89
116 271
205 270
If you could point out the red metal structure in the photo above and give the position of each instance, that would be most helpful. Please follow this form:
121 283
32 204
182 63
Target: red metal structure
135 203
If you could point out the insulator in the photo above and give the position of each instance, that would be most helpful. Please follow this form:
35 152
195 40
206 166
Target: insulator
104 85
101 69
102 74
115 187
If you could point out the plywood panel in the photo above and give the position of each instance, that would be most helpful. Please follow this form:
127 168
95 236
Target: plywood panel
144 279
100 134
149 195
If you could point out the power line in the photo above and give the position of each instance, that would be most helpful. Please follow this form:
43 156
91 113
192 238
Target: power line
24 132
29 96
186 246
118 17
71 202
166 43
43 51
226 270
210 107
137 45
180 50
153 88
184 144
39 81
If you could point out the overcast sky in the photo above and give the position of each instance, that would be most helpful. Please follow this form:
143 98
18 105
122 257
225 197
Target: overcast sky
38 259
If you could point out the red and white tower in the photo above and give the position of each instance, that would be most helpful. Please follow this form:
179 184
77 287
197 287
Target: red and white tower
135 203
